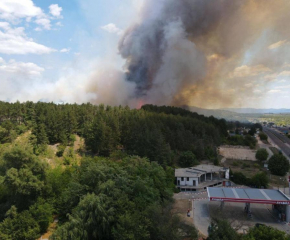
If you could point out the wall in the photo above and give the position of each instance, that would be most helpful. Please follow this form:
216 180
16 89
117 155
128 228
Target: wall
188 183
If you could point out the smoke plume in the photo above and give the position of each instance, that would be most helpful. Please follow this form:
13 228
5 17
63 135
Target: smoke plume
190 51
204 53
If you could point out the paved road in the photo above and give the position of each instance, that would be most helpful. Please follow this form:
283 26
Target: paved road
280 140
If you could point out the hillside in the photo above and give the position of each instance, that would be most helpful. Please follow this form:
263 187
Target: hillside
101 170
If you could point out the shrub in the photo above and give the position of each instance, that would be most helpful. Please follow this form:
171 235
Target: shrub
265 232
260 180
187 159
263 136
245 165
278 165
240 178
72 139
235 164
256 165
67 160
262 154
60 151
216 162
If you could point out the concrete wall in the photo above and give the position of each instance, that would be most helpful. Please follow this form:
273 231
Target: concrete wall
187 183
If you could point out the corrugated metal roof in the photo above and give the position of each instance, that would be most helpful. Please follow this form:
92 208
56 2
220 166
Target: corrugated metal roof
265 196
197 170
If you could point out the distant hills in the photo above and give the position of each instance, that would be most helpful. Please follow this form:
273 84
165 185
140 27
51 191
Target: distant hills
257 110
236 114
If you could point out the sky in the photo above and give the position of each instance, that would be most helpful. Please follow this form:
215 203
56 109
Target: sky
80 51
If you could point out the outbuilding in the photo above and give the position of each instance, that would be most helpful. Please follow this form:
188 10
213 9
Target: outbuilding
200 177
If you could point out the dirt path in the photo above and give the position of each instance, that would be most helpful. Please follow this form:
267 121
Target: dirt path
266 146
49 232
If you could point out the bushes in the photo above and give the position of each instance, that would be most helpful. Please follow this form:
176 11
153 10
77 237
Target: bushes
278 165
265 232
262 154
221 229
187 159
242 141
263 136
61 149
124 199
259 180
28 224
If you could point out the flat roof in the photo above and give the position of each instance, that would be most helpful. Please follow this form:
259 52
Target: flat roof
247 195
197 171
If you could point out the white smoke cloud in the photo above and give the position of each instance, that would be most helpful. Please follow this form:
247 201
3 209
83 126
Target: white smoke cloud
15 76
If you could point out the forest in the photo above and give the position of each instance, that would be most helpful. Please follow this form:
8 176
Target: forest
118 185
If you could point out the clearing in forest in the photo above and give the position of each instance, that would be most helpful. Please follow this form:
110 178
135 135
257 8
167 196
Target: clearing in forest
237 152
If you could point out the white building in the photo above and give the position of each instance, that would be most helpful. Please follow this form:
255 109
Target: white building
199 177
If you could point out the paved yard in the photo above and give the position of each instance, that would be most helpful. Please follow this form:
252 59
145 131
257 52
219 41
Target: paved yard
202 210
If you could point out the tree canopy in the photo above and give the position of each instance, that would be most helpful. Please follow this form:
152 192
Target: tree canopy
262 154
278 165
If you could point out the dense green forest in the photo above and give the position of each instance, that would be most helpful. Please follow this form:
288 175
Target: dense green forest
159 133
118 185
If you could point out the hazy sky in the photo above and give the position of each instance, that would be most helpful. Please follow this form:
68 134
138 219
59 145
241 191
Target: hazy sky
60 50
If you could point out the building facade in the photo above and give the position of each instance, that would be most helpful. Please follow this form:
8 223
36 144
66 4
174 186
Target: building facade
199 177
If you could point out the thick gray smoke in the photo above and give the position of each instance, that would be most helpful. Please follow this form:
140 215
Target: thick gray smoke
183 49
162 57
205 53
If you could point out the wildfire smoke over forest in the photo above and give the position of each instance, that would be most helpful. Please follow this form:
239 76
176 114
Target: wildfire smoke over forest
210 54
206 53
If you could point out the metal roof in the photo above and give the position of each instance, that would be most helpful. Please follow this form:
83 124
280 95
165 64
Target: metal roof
197 170
247 195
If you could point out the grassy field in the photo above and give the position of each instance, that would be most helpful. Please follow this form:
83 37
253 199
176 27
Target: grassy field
278 119
250 168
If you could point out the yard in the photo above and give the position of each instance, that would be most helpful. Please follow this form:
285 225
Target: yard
238 153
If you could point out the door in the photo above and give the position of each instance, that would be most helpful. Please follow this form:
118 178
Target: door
178 182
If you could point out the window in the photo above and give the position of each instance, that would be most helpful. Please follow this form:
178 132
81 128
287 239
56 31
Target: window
187 179
182 179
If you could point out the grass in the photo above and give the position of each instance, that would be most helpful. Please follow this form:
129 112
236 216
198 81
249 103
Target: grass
248 168
277 181
274 150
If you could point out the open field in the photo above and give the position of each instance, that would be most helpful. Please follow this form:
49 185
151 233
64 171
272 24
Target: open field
239 153
248 168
